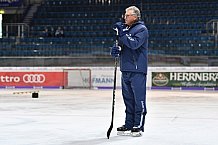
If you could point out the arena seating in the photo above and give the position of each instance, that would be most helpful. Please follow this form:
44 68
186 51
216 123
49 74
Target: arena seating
175 28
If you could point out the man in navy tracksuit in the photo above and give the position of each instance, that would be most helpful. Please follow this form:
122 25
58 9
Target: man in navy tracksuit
132 50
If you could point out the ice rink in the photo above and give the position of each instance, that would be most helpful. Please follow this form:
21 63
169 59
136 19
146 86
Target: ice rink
82 117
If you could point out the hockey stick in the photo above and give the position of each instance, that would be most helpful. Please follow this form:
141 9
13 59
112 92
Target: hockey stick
114 88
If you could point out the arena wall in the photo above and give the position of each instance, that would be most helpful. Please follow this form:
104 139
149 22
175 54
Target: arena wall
182 78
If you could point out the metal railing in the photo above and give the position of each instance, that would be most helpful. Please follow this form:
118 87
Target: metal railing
19 30
212 29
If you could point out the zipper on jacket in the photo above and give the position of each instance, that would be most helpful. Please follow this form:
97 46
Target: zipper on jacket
136 67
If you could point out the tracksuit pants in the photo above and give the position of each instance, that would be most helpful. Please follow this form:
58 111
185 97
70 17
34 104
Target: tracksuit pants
134 96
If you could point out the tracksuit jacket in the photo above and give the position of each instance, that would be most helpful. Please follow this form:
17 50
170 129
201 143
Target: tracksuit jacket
134 49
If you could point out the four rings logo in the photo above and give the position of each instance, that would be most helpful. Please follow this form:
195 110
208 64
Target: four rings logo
33 78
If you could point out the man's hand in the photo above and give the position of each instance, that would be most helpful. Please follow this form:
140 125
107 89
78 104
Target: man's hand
121 28
115 51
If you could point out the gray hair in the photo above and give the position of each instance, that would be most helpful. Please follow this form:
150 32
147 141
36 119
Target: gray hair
135 10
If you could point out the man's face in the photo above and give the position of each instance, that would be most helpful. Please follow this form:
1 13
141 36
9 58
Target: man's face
130 17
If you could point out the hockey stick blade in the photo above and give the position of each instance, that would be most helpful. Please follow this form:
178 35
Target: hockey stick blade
109 130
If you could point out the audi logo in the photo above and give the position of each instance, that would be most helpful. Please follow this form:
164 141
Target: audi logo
34 78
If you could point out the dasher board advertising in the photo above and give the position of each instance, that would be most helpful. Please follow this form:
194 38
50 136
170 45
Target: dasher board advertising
185 79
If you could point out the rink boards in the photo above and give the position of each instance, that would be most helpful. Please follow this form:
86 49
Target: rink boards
175 78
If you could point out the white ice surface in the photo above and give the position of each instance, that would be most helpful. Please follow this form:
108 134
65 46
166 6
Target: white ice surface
82 117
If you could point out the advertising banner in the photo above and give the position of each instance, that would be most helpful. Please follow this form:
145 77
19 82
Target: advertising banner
100 78
104 77
25 79
185 79
10 3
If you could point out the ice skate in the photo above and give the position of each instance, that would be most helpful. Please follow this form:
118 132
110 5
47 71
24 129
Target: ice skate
136 132
123 131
